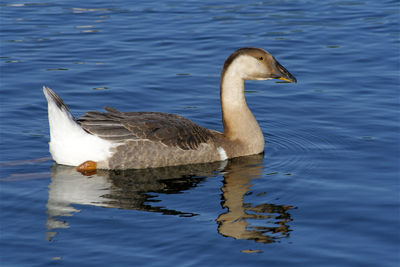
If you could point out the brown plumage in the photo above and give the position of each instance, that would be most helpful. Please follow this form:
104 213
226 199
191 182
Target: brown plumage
169 129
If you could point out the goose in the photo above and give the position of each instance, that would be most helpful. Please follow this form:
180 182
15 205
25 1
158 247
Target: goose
138 140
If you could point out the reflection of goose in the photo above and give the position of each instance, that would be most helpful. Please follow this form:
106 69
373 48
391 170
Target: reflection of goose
120 188
136 189
126 140
125 189
235 223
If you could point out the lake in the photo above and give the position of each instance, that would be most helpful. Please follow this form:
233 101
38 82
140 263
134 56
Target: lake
324 193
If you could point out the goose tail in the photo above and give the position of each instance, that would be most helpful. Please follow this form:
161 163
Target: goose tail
56 105
61 121
69 143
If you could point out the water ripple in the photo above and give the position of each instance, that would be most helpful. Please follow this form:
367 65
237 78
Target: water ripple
298 149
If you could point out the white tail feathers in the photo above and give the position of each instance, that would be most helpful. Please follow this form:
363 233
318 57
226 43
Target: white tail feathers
69 143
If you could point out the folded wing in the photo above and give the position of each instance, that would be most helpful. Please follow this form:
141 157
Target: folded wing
169 129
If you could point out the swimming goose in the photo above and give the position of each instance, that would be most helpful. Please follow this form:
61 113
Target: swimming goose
136 140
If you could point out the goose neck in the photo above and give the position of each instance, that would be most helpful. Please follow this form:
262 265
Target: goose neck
239 123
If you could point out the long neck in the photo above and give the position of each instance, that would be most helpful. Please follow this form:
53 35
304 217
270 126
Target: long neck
239 123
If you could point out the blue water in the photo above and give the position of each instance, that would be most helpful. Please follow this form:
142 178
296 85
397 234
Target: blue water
325 193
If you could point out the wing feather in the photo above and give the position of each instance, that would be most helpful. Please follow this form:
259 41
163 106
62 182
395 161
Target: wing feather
169 129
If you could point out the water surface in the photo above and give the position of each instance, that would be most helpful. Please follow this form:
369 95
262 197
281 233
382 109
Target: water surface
325 193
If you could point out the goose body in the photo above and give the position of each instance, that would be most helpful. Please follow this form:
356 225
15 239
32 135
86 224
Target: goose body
135 140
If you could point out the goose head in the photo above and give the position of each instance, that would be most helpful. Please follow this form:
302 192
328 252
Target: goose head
251 63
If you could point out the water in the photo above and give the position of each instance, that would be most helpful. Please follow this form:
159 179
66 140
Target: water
325 193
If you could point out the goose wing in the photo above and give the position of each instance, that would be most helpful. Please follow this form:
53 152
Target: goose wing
169 129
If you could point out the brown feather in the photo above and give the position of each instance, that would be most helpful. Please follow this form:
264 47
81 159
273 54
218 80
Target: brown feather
169 129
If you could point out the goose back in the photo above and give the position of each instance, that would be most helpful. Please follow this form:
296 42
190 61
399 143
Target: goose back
170 129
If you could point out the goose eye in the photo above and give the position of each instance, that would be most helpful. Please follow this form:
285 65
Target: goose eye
260 58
